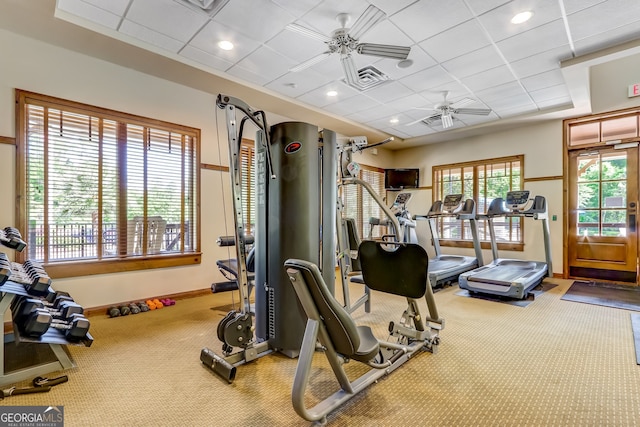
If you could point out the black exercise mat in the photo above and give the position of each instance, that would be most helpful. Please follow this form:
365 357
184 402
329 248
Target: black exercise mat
537 291
606 294
635 325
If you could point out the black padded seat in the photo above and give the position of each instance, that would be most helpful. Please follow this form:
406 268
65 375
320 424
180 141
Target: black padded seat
352 341
357 279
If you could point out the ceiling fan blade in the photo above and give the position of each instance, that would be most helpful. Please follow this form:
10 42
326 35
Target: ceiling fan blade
447 121
384 50
473 111
350 70
309 62
308 32
427 120
462 102
366 21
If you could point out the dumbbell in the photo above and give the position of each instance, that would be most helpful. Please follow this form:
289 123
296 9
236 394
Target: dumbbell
39 280
11 238
143 306
62 309
34 321
5 268
134 308
113 311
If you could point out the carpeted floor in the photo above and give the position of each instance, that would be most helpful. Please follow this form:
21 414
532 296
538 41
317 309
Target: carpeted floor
553 362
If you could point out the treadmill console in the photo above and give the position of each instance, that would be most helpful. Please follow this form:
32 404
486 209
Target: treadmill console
516 200
451 202
402 199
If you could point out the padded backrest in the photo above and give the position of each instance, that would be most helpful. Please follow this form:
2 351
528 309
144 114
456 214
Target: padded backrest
341 328
394 268
354 243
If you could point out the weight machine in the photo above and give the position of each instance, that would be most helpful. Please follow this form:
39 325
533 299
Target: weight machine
295 213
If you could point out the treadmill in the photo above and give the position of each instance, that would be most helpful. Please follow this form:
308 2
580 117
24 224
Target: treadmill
511 277
445 269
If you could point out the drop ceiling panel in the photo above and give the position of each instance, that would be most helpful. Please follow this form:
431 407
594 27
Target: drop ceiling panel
424 19
467 48
497 22
257 19
532 42
93 13
150 36
166 16
474 62
456 41
212 33
489 78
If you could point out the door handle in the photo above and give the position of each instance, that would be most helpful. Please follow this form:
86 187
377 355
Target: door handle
631 214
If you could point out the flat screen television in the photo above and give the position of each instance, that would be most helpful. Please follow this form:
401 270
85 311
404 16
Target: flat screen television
400 179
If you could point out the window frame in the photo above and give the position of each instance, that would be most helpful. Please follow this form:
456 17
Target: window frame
514 245
117 263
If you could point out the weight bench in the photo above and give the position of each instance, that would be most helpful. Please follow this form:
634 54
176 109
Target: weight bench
229 267
342 340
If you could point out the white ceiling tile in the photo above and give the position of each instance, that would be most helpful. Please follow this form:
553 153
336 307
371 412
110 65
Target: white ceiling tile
553 92
456 41
500 105
573 6
497 93
319 98
207 40
297 8
391 6
205 58
408 102
489 78
421 61
532 42
90 12
481 6
543 80
167 17
454 90
515 110
427 79
474 62
603 17
541 62
385 32
470 119
296 46
150 36
389 91
118 7
258 19
425 19
267 62
608 38
323 16
376 112
296 84
498 21
350 105
563 103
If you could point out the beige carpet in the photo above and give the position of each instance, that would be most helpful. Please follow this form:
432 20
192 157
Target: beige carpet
553 362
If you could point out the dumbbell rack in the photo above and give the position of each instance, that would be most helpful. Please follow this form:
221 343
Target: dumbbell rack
53 338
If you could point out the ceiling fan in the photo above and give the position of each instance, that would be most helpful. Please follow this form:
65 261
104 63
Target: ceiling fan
445 110
344 41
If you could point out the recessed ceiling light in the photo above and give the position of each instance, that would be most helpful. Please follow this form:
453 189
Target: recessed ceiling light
225 45
394 121
332 93
405 63
522 17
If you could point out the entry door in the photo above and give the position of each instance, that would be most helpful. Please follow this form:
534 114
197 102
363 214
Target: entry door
603 199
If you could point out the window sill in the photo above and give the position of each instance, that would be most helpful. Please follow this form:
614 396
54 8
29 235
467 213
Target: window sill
502 246
57 270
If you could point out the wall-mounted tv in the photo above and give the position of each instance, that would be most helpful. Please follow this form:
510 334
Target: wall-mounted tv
400 179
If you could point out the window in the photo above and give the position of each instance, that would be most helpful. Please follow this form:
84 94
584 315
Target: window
481 181
97 186
358 203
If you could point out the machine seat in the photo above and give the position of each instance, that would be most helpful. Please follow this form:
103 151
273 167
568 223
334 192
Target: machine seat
351 341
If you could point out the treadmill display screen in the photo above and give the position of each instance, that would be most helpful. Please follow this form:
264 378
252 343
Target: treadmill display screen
517 198
452 200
